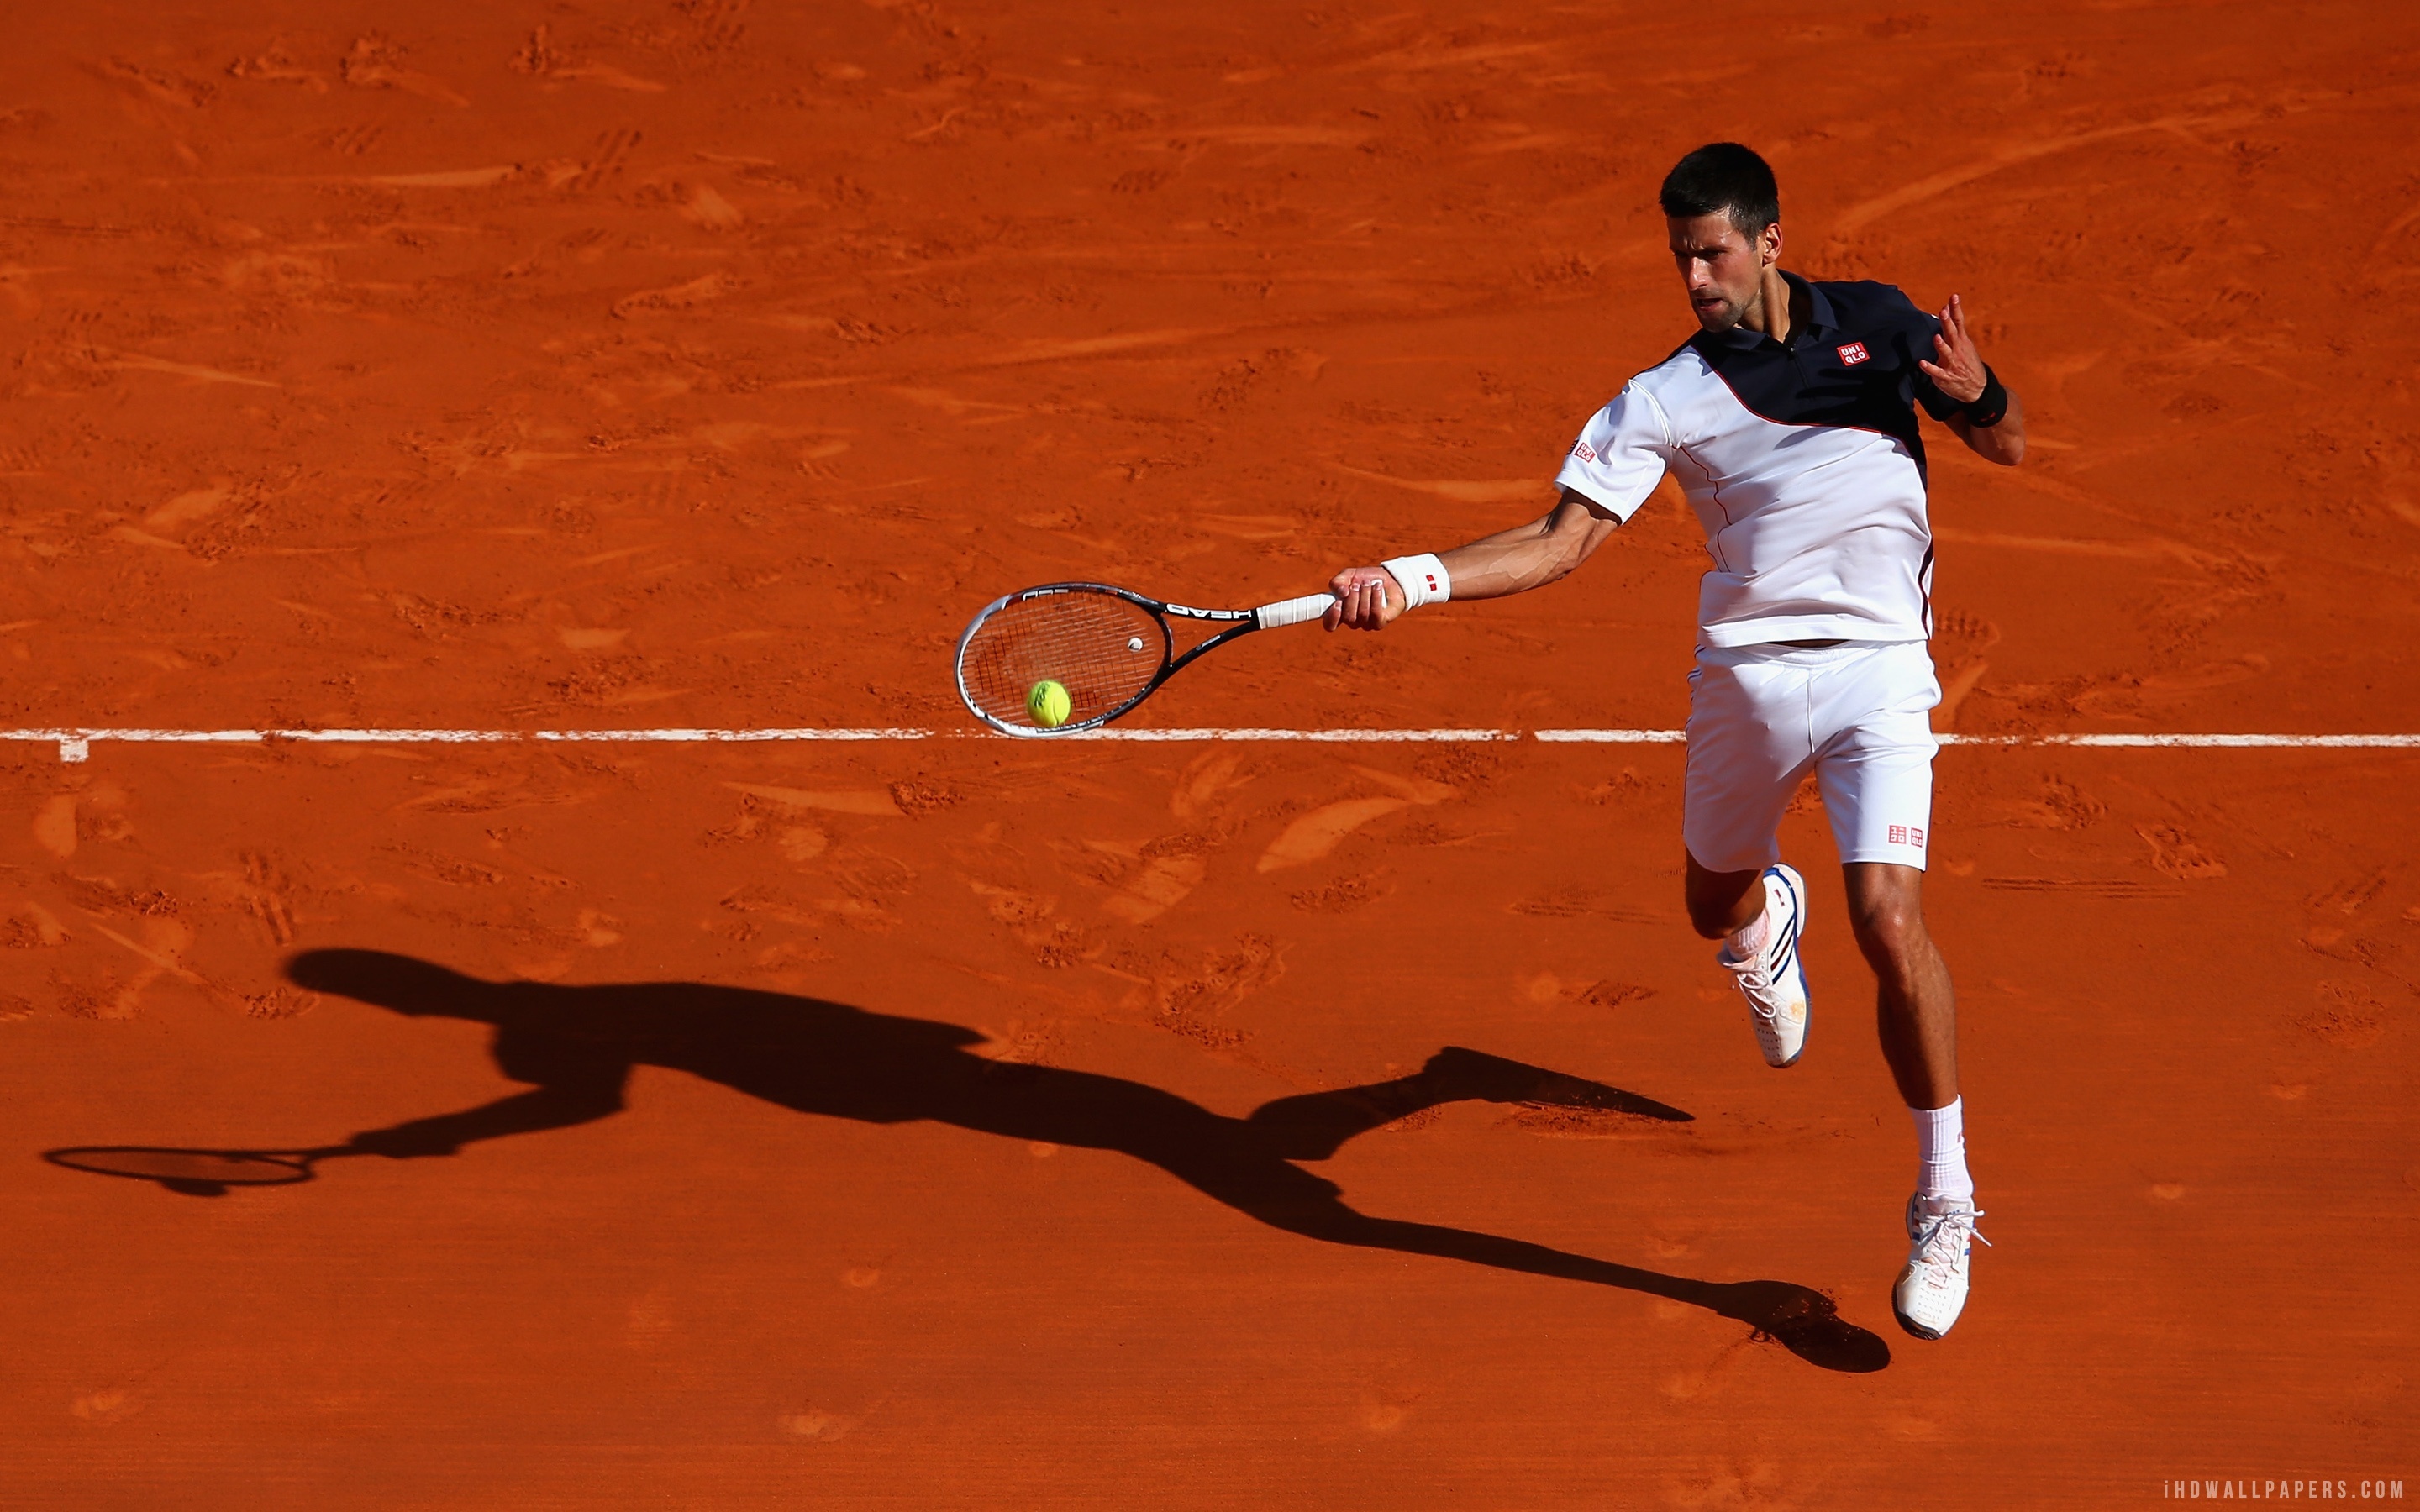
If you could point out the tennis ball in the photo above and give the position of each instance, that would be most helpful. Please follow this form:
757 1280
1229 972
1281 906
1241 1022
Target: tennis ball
1048 704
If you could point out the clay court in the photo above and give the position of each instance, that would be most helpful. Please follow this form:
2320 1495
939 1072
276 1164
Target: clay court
948 1121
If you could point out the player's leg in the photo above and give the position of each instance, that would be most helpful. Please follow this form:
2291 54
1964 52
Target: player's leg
1876 770
1748 748
1915 1009
1721 904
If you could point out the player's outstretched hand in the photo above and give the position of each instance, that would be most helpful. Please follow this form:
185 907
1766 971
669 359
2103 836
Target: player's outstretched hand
1367 598
1959 370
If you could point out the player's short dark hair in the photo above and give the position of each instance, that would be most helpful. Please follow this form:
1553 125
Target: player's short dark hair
1723 178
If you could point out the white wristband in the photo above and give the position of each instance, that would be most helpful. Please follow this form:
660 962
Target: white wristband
1423 579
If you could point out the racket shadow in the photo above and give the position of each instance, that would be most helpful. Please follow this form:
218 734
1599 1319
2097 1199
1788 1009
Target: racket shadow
575 1048
195 1173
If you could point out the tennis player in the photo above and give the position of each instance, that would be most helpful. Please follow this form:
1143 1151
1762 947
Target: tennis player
1788 421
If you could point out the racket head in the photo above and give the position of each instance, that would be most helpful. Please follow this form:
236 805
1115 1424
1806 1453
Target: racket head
206 1173
1107 646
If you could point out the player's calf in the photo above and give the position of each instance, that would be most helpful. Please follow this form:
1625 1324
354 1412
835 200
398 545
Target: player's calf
1720 903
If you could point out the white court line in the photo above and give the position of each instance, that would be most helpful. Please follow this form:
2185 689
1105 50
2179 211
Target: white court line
1615 737
1320 735
75 745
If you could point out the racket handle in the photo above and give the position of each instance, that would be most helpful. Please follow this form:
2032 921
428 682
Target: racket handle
1292 611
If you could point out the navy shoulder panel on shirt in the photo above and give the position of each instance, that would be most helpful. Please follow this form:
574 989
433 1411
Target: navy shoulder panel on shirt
1864 305
1859 374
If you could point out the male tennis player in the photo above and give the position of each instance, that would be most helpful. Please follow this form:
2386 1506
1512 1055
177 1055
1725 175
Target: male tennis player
1788 420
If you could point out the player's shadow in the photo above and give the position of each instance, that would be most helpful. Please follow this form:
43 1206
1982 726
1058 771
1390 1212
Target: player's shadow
576 1047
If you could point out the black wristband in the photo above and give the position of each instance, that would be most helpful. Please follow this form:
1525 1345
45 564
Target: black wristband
1991 407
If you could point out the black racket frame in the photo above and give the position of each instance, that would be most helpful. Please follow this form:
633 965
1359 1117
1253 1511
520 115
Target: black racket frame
1242 621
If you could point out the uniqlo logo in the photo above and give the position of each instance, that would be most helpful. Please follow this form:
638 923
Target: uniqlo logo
1854 354
1898 834
1584 452
1431 577
1907 835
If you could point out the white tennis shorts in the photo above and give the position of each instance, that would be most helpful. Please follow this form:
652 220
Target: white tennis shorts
1761 716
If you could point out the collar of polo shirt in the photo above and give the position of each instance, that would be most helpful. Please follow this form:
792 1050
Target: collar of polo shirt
1820 313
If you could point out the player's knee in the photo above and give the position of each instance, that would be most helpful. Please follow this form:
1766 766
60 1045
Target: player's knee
1890 929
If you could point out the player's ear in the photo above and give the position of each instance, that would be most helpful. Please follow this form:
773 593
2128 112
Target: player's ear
1769 243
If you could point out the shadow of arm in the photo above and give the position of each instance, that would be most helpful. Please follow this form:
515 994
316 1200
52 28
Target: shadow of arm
559 1105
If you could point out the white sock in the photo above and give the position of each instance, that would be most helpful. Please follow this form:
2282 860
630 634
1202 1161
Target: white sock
1941 1149
1748 941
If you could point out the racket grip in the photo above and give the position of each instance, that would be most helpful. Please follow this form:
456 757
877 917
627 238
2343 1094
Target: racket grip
1292 611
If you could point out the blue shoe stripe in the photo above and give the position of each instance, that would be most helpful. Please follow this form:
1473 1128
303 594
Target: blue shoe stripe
1790 958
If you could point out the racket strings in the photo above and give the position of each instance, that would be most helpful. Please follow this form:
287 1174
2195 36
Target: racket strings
1103 649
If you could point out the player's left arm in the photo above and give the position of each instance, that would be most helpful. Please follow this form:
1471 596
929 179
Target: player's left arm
1958 371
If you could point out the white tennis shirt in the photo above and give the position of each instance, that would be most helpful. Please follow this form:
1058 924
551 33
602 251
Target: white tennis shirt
1802 460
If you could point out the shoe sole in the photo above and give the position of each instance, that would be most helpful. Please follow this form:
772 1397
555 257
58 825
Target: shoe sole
1919 1329
1790 880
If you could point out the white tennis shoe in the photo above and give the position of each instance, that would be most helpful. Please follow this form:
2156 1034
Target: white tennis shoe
1775 982
1931 1288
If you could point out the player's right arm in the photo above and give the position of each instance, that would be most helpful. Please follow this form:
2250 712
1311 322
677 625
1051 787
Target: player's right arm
1509 562
1616 463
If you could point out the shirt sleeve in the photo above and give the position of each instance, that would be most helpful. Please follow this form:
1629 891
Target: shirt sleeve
1921 328
1621 453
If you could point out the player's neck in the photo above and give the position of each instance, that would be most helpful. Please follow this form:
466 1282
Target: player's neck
1771 312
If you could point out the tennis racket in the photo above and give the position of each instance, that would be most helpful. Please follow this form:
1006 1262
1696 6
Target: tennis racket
1109 647
198 1173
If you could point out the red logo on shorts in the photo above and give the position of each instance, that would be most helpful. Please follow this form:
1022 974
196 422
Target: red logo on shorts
1854 354
1584 452
1907 835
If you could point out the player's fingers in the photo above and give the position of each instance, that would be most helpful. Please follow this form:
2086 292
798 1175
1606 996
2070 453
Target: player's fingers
1950 382
1347 587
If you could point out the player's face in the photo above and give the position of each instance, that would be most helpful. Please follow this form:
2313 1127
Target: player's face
1722 266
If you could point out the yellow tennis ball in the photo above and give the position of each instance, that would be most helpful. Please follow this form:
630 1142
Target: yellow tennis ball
1048 704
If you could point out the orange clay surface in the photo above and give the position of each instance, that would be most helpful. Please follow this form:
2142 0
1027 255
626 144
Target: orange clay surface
1034 1124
